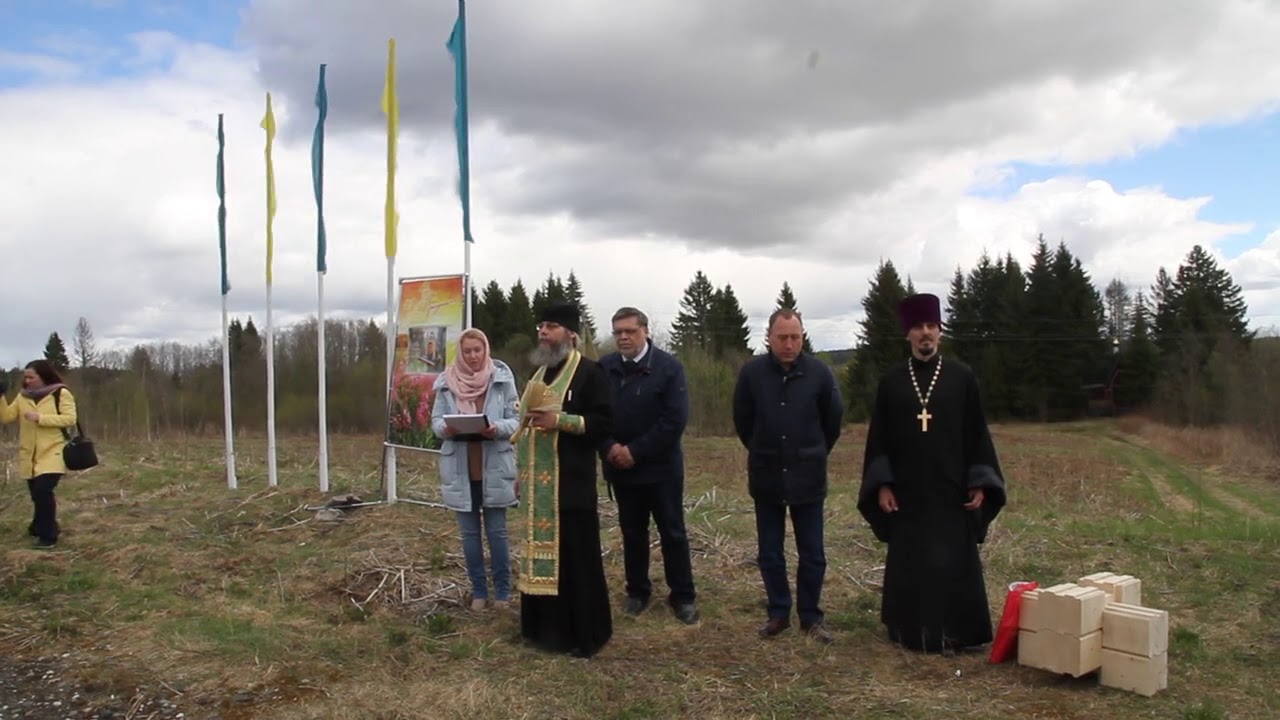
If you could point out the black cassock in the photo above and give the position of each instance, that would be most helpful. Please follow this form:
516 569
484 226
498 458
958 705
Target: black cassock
934 595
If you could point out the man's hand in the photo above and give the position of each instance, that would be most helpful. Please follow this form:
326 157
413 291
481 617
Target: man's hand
888 502
976 497
543 419
622 457
450 431
489 433
32 415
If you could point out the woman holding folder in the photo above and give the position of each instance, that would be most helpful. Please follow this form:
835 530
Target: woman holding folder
475 413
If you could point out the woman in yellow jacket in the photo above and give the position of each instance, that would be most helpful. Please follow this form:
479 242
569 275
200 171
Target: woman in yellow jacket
40 441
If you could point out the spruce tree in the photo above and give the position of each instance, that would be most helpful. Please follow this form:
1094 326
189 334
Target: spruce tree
573 293
494 302
1139 359
787 300
881 344
55 351
728 329
520 317
689 332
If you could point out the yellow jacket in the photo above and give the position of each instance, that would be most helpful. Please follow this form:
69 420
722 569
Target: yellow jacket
40 443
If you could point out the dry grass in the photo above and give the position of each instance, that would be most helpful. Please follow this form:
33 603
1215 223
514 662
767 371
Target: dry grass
243 604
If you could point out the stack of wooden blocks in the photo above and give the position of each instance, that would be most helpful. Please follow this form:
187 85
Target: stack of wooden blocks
1098 623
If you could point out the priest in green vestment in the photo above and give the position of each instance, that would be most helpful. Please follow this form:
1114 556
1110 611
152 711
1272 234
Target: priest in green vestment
565 411
931 486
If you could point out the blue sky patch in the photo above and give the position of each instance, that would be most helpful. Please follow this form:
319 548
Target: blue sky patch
53 40
1234 164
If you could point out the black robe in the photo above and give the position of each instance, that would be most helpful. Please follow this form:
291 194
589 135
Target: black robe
934 595
578 620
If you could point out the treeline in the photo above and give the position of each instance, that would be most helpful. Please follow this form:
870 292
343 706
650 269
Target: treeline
1045 343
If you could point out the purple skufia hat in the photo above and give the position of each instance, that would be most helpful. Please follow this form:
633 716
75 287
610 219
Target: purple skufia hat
917 309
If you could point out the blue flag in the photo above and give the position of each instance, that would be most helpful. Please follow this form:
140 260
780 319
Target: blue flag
458 49
317 170
222 211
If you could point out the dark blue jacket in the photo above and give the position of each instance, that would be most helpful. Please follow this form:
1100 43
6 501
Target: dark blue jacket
789 420
650 412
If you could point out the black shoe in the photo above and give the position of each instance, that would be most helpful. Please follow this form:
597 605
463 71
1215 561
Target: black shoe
31 530
43 544
686 613
774 627
635 605
818 631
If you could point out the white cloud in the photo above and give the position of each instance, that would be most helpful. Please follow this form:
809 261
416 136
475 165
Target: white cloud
110 210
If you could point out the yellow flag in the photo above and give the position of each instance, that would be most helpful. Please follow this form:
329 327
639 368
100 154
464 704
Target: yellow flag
269 124
391 108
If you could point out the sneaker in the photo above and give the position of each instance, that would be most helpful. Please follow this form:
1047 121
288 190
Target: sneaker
478 604
501 604
43 544
818 631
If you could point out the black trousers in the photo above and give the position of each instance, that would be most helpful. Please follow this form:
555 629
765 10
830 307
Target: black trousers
44 519
664 501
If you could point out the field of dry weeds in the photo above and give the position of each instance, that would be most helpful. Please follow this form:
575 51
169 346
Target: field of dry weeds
169 588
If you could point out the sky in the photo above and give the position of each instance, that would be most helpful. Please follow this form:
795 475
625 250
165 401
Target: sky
759 141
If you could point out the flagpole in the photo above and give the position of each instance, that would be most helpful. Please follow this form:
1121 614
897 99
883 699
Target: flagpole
317 176
228 431
457 46
269 124
391 106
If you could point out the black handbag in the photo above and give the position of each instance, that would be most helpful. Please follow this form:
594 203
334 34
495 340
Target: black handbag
78 453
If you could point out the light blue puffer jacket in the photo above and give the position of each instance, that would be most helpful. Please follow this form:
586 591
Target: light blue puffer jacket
499 454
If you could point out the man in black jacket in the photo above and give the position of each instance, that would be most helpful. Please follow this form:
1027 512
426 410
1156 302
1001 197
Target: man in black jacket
644 462
787 412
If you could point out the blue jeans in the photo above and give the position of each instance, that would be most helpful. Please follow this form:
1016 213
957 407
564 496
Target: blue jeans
495 527
771 531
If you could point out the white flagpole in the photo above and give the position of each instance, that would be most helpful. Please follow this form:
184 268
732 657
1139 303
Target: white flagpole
271 396
466 263
390 490
324 421
226 396
269 124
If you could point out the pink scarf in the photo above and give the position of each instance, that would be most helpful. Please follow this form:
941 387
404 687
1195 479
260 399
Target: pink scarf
467 385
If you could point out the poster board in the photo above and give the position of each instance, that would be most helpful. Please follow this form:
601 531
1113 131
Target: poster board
430 318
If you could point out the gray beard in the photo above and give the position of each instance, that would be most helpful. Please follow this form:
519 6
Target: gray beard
549 355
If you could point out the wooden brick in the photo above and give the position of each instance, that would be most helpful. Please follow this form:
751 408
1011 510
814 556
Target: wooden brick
1030 615
1031 651
1122 588
1135 630
1071 654
1088 580
1142 675
1075 611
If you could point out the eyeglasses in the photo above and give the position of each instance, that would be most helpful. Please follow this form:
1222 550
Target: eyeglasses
547 326
625 332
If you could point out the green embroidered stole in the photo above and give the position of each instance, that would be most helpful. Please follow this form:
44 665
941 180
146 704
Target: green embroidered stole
537 456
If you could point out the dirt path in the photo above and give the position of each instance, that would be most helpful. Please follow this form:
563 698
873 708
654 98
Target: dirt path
1206 493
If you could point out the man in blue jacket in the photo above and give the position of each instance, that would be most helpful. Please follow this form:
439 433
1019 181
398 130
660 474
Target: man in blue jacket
787 413
644 462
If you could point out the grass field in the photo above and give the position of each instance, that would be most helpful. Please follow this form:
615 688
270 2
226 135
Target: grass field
243 604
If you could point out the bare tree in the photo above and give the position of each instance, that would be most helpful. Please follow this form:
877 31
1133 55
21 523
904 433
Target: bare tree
1119 307
83 345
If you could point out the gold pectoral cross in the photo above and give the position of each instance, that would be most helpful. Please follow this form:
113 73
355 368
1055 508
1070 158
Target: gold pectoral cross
924 418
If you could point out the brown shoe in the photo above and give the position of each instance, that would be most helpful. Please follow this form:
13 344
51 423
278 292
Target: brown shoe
818 631
774 627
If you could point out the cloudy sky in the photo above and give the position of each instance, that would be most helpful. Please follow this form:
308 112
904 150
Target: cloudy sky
634 143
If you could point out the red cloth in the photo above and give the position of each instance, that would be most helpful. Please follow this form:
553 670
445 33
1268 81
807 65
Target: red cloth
1005 645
